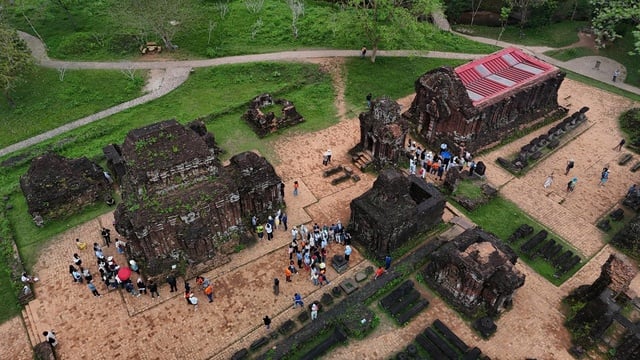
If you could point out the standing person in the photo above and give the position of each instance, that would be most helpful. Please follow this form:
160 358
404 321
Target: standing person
387 262
363 52
209 292
287 274
81 245
106 236
254 222
193 300
93 289
297 300
604 176
173 283
570 165
153 288
548 181
440 171
267 321
620 145
142 287
283 220
379 272
572 184
616 73
77 261
120 246
276 287
260 231
50 337
369 97
77 276
134 266
314 311
347 252
282 190
295 188
269 230
632 190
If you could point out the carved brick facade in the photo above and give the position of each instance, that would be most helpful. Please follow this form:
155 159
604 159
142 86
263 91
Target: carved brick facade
178 201
475 270
484 101
383 131
55 186
393 211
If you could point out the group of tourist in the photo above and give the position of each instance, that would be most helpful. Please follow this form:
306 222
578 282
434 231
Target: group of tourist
435 164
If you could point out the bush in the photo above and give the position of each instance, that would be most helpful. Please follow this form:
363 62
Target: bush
81 42
630 124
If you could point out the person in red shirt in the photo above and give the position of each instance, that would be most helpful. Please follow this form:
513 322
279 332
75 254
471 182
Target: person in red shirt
379 272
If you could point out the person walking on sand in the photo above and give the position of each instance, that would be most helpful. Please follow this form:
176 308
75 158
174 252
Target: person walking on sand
295 188
267 321
570 165
363 52
604 176
615 75
549 181
572 184
620 145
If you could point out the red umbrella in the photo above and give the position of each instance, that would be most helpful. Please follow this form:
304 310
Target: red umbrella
124 273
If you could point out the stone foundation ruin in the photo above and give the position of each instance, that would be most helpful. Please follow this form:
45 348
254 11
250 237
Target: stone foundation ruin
475 272
393 211
264 124
56 187
484 101
383 132
179 202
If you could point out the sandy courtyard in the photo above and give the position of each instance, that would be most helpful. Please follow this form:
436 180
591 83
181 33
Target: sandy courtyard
118 326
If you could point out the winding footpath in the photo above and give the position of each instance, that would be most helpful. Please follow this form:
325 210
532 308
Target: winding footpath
175 73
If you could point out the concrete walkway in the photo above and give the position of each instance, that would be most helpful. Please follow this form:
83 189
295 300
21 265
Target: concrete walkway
176 72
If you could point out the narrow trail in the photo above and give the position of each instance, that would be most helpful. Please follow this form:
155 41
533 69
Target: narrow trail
175 73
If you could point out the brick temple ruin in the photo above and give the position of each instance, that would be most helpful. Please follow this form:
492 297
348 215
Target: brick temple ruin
56 187
383 132
263 123
179 202
475 271
482 102
394 210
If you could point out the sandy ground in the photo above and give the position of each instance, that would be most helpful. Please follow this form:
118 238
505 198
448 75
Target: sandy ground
117 326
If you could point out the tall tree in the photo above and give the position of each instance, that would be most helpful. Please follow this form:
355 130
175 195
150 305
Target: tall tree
385 20
523 7
15 61
162 18
608 14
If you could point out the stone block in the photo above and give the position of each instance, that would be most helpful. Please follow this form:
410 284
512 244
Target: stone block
624 159
303 317
485 326
240 354
259 343
348 286
361 276
339 264
336 291
286 327
326 299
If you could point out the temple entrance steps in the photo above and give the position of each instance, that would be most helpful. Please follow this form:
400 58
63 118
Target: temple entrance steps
29 324
362 160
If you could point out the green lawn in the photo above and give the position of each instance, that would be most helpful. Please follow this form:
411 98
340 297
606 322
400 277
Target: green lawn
98 36
555 35
43 102
502 217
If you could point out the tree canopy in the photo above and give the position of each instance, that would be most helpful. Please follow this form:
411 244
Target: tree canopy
15 60
609 14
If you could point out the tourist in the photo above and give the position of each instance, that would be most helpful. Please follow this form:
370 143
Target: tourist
322 277
106 236
77 261
347 252
50 337
299 258
283 220
276 286
260 231
267 321
171 280
616 73
292 267
295 188
269 229
620 145
379 272
387 262
412 166
548 181
26 279
572 184
134 266
282 190
75 274
80 245
570 165
294 233
363 52
153 288
87 275
314 311
98 251
120 246
440 171
287 274
254 222
142 287
632 190
369 97
604 176
297 300
93 289
472 168
209 292
193 300
128 286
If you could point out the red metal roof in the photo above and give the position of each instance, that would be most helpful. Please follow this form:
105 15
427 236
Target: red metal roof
500 72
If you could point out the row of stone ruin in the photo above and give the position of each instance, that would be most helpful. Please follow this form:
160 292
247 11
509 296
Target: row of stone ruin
265 124
404 302
551 140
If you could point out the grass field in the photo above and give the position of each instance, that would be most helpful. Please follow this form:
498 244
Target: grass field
555 35
44 102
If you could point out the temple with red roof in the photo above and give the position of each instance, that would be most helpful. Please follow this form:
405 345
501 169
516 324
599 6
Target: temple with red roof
480 103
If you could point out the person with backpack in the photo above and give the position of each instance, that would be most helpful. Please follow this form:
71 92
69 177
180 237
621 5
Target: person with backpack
209 292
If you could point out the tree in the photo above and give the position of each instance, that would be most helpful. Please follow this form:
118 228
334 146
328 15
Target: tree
15 61
386 20
608 14
524 6
162 18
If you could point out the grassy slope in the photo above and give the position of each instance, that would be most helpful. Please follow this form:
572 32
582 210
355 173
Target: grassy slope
43 102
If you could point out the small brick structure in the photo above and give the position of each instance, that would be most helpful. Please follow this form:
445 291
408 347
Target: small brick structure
265 124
